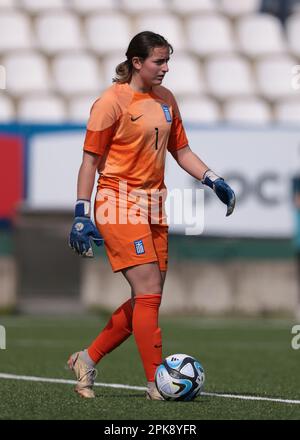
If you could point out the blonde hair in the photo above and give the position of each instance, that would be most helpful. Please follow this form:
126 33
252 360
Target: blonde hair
140 46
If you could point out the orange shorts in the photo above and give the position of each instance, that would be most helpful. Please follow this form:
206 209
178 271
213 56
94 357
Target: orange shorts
134 242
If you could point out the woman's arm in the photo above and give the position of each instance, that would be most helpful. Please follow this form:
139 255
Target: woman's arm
190 162
193 165
86 175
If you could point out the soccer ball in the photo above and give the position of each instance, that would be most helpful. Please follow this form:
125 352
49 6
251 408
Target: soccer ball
180 377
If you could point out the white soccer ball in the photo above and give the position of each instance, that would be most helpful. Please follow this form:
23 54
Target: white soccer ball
180 377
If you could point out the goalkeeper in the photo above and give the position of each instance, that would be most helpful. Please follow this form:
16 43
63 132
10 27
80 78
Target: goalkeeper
130 129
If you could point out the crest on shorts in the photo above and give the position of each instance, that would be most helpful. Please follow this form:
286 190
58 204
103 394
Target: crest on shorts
139 247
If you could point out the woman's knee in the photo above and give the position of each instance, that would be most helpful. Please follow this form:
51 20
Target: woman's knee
151 283
145 279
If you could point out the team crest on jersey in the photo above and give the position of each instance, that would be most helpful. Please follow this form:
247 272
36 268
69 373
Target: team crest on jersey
167 113
139 247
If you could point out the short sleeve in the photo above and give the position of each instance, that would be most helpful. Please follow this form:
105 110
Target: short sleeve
177 138
101 125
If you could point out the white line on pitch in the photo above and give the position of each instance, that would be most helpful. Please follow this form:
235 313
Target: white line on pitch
131 387
236 396
72 382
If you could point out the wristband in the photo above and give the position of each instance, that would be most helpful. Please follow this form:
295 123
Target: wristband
83 208
210 175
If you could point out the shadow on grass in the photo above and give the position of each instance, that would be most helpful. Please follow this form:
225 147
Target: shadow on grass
198 400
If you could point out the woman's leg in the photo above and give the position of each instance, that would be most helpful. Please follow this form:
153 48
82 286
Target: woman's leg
146 283
117 330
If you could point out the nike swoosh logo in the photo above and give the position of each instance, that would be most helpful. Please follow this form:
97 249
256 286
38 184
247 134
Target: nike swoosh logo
135 119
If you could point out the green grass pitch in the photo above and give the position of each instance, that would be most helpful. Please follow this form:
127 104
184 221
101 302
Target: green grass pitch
242 357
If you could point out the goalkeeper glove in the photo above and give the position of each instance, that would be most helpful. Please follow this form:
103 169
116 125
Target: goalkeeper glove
221 188
84 231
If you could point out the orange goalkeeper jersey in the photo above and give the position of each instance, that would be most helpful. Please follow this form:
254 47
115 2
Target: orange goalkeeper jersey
132 132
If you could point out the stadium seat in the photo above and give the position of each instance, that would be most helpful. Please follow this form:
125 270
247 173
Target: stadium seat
7 112
76 73
2 77
229 76
58 31
7 4
185 75
293 34
36 6
193 6
168 25
79 108
260 35
288 111
200 110
88 6
247 111
110 63
235 8
209 34
46 109
99 30
274 76
26 72
136 7
10 39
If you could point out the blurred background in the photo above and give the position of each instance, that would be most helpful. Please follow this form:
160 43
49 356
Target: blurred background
235 73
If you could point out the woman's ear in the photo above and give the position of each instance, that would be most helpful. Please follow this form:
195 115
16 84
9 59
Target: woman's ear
137 63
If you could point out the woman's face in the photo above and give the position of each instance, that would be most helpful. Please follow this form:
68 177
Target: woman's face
153 69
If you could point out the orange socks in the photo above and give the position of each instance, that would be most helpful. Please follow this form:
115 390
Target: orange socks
142 321
147 333
118 329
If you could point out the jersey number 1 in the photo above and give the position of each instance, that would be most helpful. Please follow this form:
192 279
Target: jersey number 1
156 138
